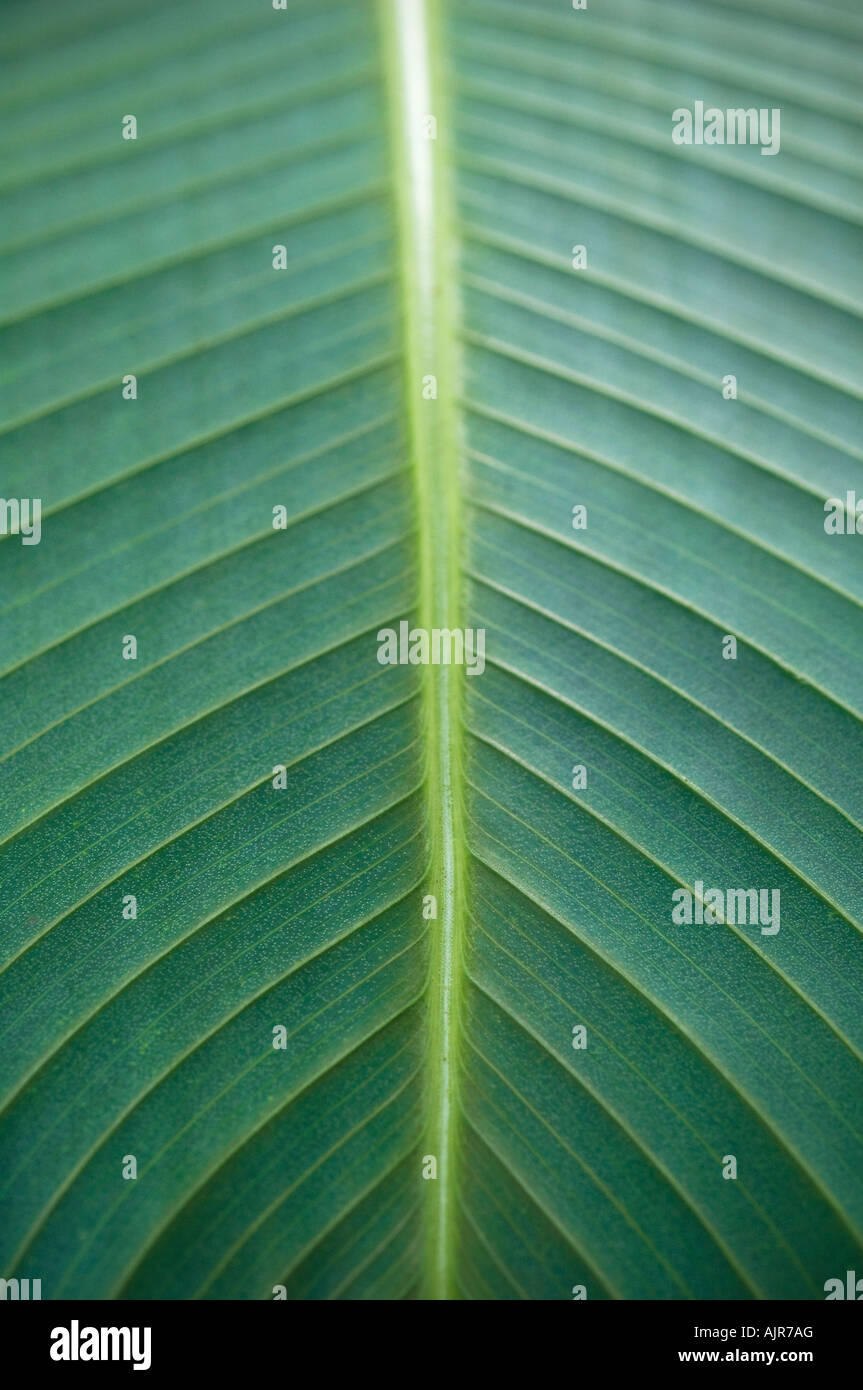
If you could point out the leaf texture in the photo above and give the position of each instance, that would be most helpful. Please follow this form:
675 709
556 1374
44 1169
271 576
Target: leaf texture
277 803
601 387
257 907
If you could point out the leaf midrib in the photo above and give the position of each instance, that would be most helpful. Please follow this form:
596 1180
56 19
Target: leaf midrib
410 32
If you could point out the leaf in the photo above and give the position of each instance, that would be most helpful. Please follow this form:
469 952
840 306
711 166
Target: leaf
252 832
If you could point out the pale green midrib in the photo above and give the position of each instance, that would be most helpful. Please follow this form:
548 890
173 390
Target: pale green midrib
409 32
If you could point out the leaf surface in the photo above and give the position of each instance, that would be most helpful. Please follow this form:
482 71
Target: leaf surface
276 804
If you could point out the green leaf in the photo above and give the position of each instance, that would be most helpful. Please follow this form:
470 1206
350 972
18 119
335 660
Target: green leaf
282 924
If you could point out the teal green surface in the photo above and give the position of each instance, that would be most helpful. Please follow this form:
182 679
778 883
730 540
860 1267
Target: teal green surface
301 907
